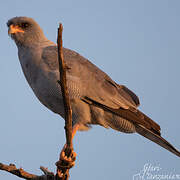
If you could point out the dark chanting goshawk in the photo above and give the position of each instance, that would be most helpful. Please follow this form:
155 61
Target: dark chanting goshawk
95 98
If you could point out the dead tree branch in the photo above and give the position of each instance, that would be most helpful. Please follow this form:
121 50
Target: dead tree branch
25 175
63 167
65 94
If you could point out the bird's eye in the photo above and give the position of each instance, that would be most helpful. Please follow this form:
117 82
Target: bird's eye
8 24
24 25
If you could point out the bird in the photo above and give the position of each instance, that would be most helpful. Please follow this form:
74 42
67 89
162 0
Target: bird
94 97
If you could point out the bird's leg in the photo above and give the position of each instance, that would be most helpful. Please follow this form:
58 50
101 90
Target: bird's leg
65 160
70 160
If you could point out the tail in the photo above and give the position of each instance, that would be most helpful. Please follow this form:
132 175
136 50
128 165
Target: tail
156 138
142 123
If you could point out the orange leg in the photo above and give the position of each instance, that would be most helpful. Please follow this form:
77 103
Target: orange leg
74 130
73 155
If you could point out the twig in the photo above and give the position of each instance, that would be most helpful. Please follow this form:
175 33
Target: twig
25 175
63 172
46 171
65 93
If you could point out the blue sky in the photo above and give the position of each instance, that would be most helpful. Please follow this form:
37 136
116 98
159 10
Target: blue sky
137 43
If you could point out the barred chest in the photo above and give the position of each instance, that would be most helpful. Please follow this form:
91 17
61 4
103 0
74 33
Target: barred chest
42 81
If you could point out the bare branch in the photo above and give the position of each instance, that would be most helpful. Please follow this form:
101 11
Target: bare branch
65 93
63 167
46 171
18 172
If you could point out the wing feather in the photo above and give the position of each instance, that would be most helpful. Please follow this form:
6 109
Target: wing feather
93 82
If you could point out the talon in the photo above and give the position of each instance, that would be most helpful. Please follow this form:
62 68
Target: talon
66 158
69 159
73 163
63 154
73 154
66 161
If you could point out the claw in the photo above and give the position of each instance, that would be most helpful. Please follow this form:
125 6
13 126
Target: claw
67 161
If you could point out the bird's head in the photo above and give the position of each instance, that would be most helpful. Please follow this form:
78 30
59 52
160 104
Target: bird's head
25 31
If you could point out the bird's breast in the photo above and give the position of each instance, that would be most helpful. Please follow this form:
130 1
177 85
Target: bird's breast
43 83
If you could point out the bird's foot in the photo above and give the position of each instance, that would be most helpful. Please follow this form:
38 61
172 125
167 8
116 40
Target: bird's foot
66 161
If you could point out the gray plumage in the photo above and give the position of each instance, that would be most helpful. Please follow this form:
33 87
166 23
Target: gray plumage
95 98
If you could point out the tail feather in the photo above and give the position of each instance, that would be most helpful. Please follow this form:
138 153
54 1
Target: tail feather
133 115
143 124
156 138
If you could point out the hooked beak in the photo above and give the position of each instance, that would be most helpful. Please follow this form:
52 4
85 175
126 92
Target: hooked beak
14 29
